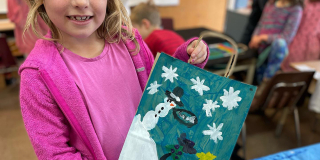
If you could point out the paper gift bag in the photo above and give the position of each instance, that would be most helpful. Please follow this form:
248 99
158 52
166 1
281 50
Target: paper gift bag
187 113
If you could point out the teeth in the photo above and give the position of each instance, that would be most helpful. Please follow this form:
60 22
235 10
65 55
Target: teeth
78 18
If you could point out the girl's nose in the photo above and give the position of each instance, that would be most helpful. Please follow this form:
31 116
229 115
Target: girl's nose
81 4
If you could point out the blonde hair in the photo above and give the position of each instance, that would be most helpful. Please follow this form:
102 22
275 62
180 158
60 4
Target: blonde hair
146 11
116 26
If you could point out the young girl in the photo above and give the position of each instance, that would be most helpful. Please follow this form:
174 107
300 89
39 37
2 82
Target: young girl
276 28
306 44
82 83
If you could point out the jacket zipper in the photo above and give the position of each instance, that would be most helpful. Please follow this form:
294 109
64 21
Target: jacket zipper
66 110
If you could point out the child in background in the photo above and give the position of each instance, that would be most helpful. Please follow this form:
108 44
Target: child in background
257 8
277 27
306 44
82 83
17 13
146 18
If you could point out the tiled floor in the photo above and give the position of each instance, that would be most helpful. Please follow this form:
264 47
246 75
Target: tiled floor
15 144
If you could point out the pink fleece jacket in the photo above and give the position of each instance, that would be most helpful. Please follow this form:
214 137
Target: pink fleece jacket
53 110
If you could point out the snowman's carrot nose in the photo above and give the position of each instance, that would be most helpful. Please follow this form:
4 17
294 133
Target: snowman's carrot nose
171 104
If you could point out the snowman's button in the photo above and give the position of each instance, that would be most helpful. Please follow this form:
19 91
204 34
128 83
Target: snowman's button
159 112
155 115
162 108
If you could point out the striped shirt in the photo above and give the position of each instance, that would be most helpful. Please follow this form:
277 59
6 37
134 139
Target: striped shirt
163 41
279 22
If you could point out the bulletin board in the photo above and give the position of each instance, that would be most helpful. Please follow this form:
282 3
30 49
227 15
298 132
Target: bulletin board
210 14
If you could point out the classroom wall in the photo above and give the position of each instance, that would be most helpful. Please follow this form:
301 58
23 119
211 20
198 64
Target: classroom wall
197 13
3 6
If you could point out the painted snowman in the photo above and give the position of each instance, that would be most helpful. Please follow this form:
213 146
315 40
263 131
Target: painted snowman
139 145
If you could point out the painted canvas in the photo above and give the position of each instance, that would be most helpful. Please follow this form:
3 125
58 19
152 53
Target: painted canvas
187 113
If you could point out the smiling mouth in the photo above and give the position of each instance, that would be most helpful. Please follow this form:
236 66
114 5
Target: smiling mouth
79 18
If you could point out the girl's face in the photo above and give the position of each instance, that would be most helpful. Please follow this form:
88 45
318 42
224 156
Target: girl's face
76 18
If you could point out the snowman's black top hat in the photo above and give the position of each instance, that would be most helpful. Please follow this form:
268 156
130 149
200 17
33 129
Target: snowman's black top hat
175 95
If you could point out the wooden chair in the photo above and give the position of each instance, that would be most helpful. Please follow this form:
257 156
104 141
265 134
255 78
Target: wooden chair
283 92
6 58
7 61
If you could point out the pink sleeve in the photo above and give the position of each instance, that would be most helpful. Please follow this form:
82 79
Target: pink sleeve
47 127
181 53
290 28
317 14
17 12
13 7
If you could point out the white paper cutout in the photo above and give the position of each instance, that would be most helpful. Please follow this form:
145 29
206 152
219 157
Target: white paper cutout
210 106
169 73
144 147
231 98
153 87
139 144
199 86
214 133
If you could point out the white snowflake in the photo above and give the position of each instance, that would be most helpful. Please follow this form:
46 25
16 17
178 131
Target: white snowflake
214 132
210 106
153 87
169 73
230 99
198 86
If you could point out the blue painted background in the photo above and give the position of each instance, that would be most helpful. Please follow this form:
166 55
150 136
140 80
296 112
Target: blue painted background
168 129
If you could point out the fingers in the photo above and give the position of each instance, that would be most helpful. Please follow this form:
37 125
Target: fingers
251 45
198 54
190 50
201 56
191 47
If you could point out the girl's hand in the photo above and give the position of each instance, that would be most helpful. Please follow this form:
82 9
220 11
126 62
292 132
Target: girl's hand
255 42
198 54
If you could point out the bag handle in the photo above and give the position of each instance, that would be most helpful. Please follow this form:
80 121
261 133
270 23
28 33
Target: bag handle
234 56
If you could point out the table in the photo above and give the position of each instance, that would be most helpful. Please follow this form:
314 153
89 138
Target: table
304 153
307 66
6 25
314 103
312 64
246 61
